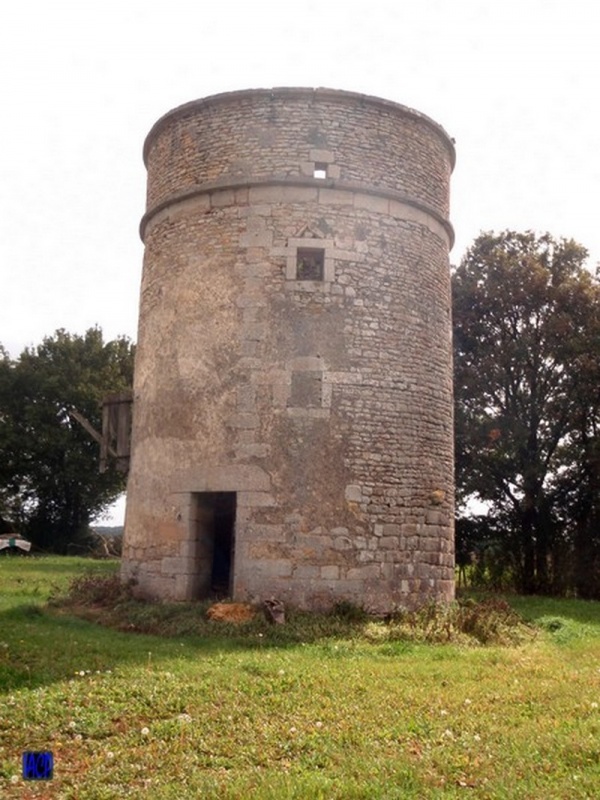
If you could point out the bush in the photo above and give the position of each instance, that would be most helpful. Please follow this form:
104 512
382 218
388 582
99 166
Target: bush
491 621
92 589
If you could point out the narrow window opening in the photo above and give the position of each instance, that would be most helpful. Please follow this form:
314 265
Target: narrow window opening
310 263
215 543
320 171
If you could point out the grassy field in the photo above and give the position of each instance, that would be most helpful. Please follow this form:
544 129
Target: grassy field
318 708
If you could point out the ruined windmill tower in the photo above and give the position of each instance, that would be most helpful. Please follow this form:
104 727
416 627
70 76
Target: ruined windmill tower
292 428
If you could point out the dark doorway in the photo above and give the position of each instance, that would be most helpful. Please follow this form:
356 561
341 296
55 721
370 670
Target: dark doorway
215 533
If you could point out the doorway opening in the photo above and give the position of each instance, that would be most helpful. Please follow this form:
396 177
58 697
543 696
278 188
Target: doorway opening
215 538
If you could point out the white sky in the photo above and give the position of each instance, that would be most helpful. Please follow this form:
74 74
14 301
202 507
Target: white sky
516 83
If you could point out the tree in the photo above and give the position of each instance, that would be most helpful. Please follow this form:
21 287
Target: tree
51 485
526 354
580 479
5 525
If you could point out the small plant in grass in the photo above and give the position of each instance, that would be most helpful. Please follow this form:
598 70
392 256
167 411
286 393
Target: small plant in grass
93 589
468 621
344 609
491 621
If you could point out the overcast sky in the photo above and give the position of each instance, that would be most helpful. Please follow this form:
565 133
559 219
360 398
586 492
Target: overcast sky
515 83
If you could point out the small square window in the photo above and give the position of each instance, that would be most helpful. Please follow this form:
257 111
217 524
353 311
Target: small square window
307 390
310 263
320 171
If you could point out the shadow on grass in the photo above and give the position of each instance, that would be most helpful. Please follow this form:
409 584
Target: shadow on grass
43 642
568 620
40 645
51 643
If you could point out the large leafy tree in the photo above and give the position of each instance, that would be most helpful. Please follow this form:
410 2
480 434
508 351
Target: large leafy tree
527 409
50 484
580 478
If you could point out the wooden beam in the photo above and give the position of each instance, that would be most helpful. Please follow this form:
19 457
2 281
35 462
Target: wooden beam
90 429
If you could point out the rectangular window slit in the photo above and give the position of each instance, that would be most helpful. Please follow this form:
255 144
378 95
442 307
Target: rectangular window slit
310 262
320 171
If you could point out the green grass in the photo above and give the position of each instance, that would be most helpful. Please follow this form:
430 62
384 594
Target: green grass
323 707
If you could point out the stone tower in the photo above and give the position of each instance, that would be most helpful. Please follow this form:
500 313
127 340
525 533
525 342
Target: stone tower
292 427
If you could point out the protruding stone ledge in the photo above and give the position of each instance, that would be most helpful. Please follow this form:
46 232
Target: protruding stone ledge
220 193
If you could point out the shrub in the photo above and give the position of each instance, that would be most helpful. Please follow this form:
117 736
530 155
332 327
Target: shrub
92 589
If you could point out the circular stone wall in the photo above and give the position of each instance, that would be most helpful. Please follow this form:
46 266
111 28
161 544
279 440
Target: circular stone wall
292 428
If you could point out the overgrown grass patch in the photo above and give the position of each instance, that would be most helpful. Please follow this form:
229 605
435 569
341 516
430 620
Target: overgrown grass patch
103 598
319 708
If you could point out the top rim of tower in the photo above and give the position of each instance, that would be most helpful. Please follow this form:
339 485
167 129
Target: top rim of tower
320 93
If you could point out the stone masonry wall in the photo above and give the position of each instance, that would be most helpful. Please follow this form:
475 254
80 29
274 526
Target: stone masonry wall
266 135
325 404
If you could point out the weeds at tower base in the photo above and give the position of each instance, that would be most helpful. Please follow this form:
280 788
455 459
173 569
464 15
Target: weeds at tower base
469 622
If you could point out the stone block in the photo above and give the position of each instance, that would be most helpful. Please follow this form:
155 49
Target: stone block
342 543
306 571
273 568
188 549
228 478
256 499
389 543
372 202
317 413
245 436
267 532
183 588
392 530
335 197
254 330
305 364
433 517
157 587
245 420
330 573
256 239
282 194
367 572
222 198
353 492
366 556
321 156
174 565
252 451
388 571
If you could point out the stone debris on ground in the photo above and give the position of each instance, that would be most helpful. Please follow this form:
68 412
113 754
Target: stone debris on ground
274 611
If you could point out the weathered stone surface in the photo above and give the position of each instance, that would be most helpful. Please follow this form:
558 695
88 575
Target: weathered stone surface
323 407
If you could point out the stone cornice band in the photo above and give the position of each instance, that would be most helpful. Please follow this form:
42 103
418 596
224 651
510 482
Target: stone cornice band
317 184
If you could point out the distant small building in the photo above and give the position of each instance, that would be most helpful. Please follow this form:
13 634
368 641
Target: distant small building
292 420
